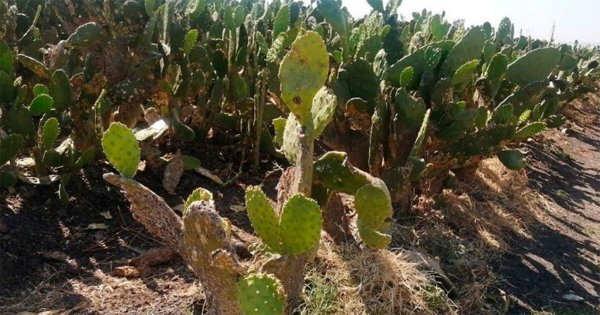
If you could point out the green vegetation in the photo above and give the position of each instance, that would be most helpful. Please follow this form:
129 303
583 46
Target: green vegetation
425 97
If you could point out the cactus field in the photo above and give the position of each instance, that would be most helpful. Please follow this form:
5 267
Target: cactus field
285 157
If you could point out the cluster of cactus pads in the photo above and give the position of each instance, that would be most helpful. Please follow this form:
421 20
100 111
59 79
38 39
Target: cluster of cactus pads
400 105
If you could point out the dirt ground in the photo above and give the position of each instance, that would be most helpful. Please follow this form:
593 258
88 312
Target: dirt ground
563 257
62 258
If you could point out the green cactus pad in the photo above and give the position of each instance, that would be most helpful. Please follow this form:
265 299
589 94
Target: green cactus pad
323 109
199 194
279 126
406 76
530 130
468 48
503 113
465 72
416 149
85 35
122 149
536 65
362 80
61 90
512 159
282 20
40 89
7 90
333 14
10 146
190 162
334 172
6 58
263 218
302 73
50 132
195 8
41 104
374 211
8 176
410 111
300 225
260 294
496 72
19 120
291 140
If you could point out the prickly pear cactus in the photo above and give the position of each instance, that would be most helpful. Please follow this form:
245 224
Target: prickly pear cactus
122 149
512 159
260 294
333 172
322 110
49 133
374 212
263 218
468 48
9 147
300 225
302 73
199 194
536 65
296 231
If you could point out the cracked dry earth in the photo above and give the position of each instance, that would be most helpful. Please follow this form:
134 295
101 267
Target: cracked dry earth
558 271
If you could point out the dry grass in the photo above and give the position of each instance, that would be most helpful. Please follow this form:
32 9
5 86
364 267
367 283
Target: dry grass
464 229
167 290
358 281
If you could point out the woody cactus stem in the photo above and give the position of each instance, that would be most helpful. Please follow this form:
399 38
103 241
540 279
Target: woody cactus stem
303 177
212 257
259 102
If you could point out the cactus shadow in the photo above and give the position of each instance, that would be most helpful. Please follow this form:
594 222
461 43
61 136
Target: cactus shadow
561 257
53 257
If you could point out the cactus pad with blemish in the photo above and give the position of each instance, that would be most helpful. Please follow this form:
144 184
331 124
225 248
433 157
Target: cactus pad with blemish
260 294
302 73
323 109
122 149
199 194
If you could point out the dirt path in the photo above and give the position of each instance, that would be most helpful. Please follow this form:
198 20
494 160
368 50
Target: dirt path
564 256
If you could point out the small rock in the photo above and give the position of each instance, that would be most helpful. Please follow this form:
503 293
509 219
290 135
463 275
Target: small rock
72 266
572 297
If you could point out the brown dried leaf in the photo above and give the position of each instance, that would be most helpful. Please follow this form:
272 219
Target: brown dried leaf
173 173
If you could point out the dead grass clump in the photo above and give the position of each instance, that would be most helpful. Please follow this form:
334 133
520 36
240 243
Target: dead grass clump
466 228
347 279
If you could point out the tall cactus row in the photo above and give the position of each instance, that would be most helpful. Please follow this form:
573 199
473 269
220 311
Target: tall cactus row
395 107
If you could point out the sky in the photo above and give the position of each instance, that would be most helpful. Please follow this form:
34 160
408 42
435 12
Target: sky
574 19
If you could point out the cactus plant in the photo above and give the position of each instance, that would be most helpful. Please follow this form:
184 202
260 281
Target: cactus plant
374 212
298 228
536 65
302 73
122 149
260 294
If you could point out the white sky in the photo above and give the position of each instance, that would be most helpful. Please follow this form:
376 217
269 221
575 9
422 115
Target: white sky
574 19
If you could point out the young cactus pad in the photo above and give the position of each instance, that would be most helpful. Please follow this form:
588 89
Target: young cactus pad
296 231
199 194
302 73
374 211
260 294
122 149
